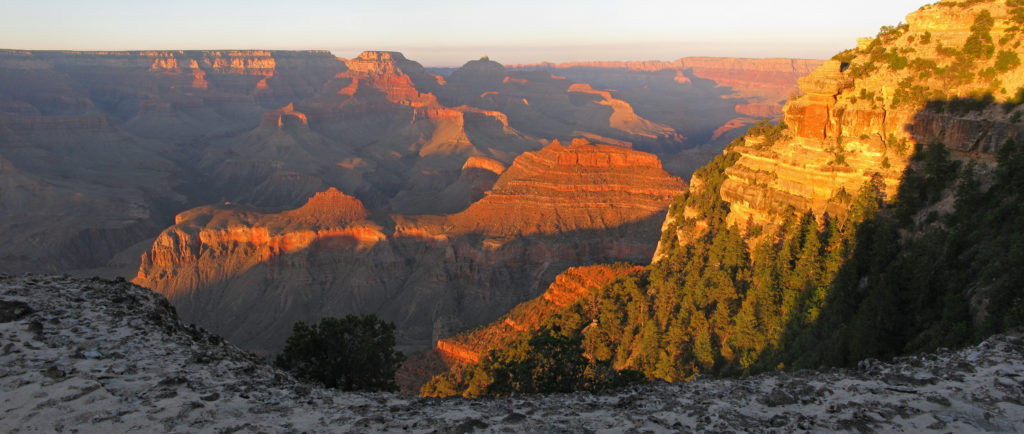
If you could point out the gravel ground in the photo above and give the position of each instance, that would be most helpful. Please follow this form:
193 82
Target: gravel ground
91 355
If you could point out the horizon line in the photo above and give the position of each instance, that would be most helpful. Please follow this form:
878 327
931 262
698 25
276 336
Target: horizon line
557 64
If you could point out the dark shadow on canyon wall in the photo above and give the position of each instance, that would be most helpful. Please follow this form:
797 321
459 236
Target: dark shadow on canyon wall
428 288
937 266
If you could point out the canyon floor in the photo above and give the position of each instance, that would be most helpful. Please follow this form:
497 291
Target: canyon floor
92 355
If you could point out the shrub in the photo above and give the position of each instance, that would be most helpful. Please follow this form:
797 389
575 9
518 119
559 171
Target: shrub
944 50
350 353
1016 11
846 56
862 69
897 62
1007 60
771 133
979 44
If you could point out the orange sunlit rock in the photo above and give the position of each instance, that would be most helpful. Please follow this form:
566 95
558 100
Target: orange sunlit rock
569 287
564 188
484 163
850 128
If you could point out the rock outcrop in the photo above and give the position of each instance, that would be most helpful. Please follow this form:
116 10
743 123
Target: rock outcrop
578 187
96 355
433 275
862 114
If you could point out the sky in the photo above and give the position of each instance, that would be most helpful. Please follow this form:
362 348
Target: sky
451 32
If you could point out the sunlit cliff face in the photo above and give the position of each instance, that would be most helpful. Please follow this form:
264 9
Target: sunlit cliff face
860 116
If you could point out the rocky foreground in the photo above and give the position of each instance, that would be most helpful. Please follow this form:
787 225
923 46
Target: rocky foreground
108 356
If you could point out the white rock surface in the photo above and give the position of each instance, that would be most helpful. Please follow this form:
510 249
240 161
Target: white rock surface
100 356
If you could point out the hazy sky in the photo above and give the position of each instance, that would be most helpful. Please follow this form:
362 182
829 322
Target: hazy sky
450 32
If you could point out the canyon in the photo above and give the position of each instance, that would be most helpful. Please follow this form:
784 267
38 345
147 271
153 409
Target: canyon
522 226
114 144
430 274
210 176
658 89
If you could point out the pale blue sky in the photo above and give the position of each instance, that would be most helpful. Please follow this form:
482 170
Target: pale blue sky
450 32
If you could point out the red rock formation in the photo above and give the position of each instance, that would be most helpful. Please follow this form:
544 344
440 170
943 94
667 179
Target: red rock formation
284 115
645 66
764 77
484 163
188 255
659 91
771 78
329 208
849 128
760 110
566 188
391 73
551 209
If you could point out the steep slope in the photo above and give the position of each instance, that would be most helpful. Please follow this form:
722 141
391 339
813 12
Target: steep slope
446 369
477 177
861 119
107 356
568 288
803 201
558 207
849 231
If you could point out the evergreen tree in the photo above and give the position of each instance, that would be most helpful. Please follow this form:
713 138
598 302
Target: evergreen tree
350 353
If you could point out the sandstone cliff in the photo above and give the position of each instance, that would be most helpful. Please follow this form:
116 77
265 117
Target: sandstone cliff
544 192
385 108
862 114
